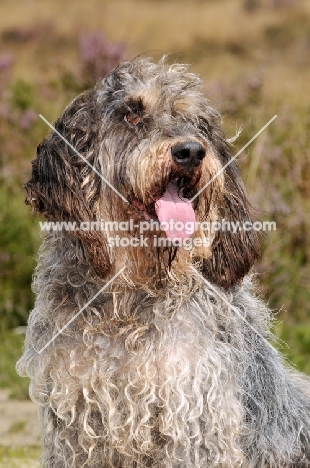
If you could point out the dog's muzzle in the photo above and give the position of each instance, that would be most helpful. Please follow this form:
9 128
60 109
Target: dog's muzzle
188 154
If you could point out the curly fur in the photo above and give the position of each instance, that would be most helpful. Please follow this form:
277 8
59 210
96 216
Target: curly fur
158 371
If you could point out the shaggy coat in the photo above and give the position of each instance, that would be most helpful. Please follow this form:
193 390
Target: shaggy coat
169 366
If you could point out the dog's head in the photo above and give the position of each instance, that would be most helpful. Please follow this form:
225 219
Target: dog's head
146 144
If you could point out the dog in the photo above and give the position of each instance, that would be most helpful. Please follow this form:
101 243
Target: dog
149 347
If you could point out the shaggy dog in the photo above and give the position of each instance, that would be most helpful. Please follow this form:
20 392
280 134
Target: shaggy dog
143 352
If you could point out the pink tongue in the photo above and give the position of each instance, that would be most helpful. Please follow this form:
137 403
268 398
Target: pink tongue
176 213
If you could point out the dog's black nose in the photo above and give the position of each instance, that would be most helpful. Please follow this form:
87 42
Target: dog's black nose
189 153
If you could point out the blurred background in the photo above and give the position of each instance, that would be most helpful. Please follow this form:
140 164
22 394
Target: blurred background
254 58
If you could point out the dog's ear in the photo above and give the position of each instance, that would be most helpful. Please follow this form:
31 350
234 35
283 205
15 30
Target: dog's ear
233 253
63 187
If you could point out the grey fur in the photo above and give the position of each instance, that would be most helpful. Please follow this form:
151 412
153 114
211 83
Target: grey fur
158 371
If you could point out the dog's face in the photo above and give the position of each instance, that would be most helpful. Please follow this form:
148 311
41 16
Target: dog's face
155 139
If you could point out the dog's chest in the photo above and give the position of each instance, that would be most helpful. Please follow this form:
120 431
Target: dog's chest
150 358
160 351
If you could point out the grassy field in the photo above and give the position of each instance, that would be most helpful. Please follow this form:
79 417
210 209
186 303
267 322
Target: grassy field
254 58
19 457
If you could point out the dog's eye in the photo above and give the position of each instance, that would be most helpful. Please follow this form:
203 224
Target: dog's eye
132 118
